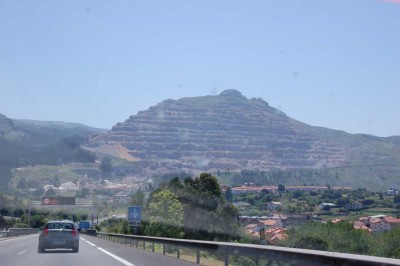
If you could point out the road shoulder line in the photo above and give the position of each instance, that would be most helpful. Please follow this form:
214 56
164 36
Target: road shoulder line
127 263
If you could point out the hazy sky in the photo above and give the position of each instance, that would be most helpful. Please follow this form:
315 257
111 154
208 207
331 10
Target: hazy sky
331 63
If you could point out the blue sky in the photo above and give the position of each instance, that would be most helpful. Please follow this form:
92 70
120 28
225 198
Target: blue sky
331 63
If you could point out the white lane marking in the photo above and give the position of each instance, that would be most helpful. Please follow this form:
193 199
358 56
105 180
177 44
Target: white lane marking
22 252
83 239
127 263
90 243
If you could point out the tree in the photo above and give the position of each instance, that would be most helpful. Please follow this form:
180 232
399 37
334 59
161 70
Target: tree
228 194
298 193
50 193
207 183
83 193
38 192
388 244
5 173
138 198
56 181
106 165
396 199
281 188
37 221
165 215
380 195
3 223
207 215
339 237
21 183
175 184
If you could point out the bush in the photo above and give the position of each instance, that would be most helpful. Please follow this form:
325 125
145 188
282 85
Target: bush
20 225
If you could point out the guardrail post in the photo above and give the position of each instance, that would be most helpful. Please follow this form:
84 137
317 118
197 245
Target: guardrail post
226 259
144 245
137 243
198 256
163 249
152 246
178 252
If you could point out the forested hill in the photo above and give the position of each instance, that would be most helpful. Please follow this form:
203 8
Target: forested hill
28 142
229 132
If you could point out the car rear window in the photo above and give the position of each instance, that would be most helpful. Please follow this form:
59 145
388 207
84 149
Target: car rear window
60 226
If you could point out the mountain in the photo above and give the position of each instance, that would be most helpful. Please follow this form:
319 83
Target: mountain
29 142
45 132
229 132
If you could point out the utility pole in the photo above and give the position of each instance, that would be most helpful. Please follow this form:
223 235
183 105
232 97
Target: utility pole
29 213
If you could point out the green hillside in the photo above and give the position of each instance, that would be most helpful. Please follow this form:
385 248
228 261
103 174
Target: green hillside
28 142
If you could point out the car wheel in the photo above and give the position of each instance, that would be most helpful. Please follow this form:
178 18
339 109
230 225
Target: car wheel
41 249
75 250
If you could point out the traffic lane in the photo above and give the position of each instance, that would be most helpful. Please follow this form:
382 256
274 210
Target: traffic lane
10 247
23 251
137 256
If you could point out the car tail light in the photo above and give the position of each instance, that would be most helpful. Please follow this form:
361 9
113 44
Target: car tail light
73 232
45 232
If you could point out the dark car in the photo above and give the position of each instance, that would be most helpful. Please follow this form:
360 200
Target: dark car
59 234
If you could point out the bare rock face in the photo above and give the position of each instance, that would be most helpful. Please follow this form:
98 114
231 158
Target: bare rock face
222 132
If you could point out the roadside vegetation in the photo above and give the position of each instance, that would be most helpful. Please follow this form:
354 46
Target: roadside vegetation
192 208
198 208
342 237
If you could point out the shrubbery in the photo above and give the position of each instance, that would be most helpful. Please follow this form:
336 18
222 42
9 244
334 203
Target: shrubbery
342 237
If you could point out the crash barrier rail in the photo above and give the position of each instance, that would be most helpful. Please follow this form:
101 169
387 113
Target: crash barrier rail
244 254
12 232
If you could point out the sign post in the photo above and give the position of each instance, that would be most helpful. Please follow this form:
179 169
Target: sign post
134 217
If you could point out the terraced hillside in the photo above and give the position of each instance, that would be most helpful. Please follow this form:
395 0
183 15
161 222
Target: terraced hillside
232 132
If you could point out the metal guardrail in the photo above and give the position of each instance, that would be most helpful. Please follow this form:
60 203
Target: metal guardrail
13 232
257 254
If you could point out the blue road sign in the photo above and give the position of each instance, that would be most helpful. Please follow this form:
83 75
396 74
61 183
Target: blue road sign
134 213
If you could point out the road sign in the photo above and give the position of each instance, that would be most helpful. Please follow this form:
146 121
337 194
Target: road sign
134 214
58 201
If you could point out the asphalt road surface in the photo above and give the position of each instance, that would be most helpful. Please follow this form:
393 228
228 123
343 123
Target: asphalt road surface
92 251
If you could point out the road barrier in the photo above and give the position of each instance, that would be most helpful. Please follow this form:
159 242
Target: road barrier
13 232
245 254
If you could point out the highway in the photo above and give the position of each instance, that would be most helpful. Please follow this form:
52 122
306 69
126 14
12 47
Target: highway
92 251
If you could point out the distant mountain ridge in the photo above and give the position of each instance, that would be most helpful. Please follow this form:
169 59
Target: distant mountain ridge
30 142
230 132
